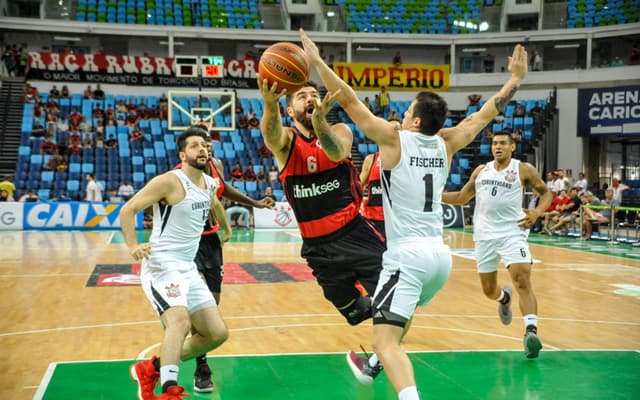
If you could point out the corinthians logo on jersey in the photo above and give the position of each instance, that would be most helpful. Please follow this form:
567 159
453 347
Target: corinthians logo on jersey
304 192
511 176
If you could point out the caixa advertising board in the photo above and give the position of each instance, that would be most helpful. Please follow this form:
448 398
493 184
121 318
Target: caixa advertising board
62 216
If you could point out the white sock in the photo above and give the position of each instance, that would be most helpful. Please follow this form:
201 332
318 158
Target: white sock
409 393
530 319
373 360
501 295
168 373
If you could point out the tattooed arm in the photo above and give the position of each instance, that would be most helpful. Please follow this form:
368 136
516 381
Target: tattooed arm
464 133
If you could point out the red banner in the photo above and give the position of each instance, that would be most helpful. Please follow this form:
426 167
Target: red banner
132 70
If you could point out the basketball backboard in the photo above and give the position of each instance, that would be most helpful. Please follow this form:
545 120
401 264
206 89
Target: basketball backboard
189 107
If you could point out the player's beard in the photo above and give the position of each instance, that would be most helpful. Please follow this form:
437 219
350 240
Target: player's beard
303 118
197 165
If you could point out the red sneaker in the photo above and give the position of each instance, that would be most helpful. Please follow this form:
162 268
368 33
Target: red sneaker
146 375
173 393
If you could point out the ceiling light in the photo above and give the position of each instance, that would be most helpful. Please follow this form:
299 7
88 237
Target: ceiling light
475 50
164 42
566 46
66 38
361 48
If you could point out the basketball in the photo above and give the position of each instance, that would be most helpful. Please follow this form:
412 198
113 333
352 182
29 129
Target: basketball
286 64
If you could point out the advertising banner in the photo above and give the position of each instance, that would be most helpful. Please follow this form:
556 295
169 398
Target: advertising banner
609 111
280 216
133 70
11 216
74 215
406 77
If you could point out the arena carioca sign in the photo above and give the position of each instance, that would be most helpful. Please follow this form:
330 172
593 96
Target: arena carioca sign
410 77
132 70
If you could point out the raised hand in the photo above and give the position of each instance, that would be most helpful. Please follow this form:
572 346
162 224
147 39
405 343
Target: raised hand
321 109
518 62
310 48
270 93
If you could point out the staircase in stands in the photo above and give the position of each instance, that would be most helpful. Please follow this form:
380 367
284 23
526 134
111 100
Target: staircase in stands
11 107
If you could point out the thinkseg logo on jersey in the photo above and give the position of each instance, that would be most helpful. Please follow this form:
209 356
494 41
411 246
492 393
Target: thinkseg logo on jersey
303 192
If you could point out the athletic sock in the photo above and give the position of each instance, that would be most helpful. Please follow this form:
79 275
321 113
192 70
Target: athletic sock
168 376
409 393
504 297
531 322
373 360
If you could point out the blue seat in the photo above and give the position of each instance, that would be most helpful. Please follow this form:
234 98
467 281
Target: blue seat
240 185
278 194
73 185
43 194
251 186
456 179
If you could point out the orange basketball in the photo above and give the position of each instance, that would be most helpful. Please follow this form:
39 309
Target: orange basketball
286 64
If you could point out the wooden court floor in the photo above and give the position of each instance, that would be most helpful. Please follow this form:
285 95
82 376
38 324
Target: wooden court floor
587 301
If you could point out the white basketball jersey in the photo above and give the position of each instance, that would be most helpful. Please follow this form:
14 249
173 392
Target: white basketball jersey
177 228
413 189
498 202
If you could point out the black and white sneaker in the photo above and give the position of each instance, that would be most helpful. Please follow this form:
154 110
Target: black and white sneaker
202 382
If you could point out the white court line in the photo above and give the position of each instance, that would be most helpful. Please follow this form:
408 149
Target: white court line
111 325
45 381
45 275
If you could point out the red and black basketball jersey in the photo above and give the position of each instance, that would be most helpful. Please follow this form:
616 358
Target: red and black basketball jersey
208 229
325 195
373 206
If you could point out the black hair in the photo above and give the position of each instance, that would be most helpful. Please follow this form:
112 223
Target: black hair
181 141
307 84
432 111
506 133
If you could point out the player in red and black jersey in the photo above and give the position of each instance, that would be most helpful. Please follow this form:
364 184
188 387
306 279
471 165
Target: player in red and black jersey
322 185
209 256
370 179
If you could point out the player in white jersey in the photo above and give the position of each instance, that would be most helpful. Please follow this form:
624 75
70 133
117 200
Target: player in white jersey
182 200
415 162
500 230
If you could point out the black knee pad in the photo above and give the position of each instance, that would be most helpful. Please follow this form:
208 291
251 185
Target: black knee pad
358 311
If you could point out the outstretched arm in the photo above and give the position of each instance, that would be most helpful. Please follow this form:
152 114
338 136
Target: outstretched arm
462 134
467 192
276 137
380 130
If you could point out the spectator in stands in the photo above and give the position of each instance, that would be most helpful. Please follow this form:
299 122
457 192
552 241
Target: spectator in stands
88 142
561 182
536 61
48 147
111 142
75 138
268 192
367 103
54 92
125 190
600 216
8 61
88 92
132 118
98 94
75 149
519 111
618 187
252 120
242 122
99 141
558 199
94 189
63 147
265 152
31 94
262 176
136 135
569 211
397 59
394 116
64 93
53 162
29 197
249 173
385 101
273 174
121 107
236 173
581 184
7 185
4 196
84 125
550 178
63 126
239 211
75 118
634 54
51 132
37 131
97 112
